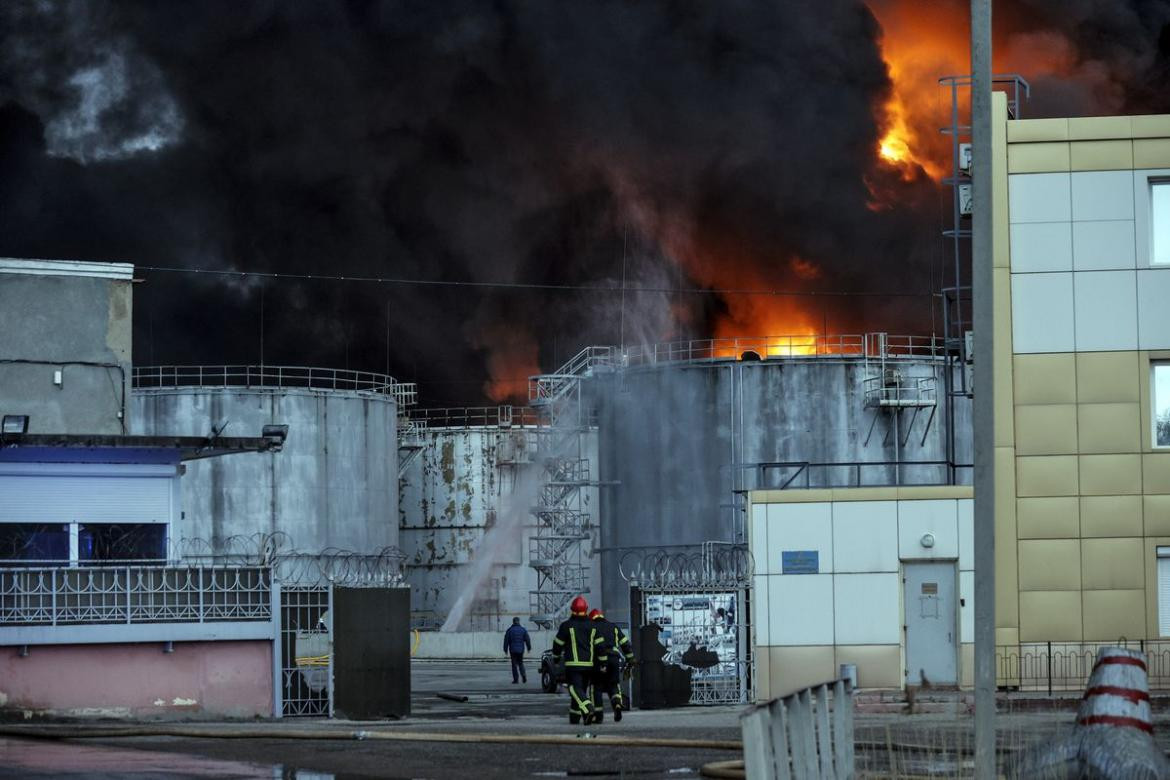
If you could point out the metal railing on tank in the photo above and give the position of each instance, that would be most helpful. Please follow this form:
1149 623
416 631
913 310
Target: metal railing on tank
857 345
311 378
477 417
788 475
1051 667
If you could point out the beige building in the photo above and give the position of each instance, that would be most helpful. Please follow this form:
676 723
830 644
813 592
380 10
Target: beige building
1082 438
1082 378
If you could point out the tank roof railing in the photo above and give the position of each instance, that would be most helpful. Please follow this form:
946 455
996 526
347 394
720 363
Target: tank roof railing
504 416
166 377
853 345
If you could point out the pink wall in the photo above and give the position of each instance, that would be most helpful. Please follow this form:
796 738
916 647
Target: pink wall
197 680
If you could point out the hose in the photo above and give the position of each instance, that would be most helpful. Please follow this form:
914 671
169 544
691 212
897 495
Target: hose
39 732
724 770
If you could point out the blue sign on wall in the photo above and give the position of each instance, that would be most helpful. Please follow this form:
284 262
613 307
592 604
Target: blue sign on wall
800 562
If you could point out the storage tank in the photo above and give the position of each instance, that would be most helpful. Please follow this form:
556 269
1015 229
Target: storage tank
476 469
334 485
682 427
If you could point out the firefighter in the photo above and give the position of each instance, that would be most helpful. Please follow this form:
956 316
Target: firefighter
579 641
607 675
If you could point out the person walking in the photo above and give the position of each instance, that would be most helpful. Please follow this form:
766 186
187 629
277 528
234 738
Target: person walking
577 639
607 675
516 642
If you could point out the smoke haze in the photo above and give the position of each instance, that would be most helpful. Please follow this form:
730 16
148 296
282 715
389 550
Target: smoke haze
716 145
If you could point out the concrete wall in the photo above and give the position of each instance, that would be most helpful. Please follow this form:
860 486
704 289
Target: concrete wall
333 485
672 436
198 680
436 645
53 319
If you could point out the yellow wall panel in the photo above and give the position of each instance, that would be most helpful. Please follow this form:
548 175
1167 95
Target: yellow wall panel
1090 128
1107 377
1007 599
1038 158
1002 384
1047 475
1109 428
1033 130
1047 518
1101 155
793 668
1156 515
1050 616
1112 564
1111 516
1156 472
1050 429
878 666
1045 379
1151 153
1150 126
1113 614
1111 475
1050 564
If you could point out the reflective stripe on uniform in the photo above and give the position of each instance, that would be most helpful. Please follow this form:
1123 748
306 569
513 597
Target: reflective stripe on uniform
576 661
558 641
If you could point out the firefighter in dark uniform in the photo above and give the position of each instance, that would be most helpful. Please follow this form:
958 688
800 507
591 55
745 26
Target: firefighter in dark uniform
607 675
578 640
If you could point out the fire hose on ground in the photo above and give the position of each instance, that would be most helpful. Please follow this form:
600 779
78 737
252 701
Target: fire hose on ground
70 732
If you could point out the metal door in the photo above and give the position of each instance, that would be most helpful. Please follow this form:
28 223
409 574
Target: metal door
931 623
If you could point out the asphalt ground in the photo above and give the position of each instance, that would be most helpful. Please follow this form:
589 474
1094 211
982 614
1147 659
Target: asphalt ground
915 743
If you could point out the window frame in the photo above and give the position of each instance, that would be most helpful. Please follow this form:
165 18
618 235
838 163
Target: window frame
1155 364
1161 182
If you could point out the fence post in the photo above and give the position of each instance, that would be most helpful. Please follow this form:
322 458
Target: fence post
1049 668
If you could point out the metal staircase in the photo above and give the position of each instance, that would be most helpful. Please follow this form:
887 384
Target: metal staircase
562 522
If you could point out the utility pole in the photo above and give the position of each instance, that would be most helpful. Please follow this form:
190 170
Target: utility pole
984 401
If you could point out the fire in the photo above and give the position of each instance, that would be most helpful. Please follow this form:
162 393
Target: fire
920 42
513 357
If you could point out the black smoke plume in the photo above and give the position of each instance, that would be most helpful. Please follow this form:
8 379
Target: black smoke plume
678 143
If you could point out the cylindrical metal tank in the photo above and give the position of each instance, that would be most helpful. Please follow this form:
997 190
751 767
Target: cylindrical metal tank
335 483
679 437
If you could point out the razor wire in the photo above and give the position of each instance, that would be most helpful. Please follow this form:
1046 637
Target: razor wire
331 565
711 566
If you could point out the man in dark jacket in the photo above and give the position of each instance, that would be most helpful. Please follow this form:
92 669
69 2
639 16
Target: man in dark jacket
516 641
607 675
577 639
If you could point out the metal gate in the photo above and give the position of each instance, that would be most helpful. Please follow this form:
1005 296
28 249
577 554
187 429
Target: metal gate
306 651
701 603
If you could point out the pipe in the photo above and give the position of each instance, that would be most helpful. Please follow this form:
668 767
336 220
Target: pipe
284 732
724 770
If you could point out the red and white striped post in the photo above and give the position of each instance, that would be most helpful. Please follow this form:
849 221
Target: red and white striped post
1114 733
1118 694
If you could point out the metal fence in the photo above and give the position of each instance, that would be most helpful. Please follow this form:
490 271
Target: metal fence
55 596
855 345
164 377
1048 667
306 651
702 601
800 735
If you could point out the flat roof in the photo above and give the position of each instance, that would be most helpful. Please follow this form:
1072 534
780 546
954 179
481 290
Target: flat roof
35 267
104 448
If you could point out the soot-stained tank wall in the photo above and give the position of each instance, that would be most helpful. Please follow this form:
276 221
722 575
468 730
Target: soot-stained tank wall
675 437
335 484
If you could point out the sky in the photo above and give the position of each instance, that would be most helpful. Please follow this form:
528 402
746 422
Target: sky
692 147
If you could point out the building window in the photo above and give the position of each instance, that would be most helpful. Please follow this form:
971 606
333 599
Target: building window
21 543
1160 222
98 543
1160 390
1164 591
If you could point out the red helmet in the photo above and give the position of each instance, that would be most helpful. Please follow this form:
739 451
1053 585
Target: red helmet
596 615
579 606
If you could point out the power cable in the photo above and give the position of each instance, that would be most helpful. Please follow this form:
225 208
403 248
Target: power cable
540 286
